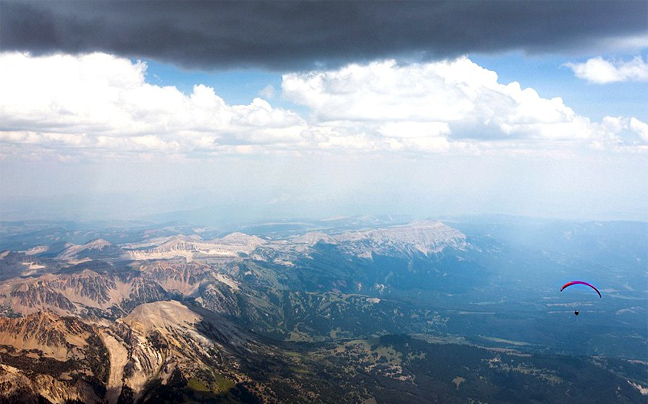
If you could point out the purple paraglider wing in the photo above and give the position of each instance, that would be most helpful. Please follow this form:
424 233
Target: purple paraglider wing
580 283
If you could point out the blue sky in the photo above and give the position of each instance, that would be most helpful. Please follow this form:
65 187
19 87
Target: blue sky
545 73
317 120
235 86
548 75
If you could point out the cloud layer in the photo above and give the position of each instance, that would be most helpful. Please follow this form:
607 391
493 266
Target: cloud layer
98 101
102 105
447 106
601 71
456 99
306 34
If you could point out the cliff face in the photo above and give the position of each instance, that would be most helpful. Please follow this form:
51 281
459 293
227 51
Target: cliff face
57 358
65 358
81 293
57 337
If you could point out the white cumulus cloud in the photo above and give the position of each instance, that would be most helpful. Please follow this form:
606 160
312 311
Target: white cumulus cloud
102 105
455 99
99 101
601 71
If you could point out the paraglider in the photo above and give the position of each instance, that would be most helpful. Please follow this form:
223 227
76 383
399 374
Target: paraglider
568 284
580 283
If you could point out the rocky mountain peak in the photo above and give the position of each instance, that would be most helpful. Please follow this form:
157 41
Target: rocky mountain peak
313 238
161 315
92 249
238 238
97 244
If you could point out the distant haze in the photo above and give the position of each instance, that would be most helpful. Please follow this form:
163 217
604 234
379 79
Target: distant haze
264 189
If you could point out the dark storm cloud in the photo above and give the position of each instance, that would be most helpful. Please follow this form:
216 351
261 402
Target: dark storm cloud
302 34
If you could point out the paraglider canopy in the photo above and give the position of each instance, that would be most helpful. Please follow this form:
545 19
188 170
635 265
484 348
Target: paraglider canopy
580 283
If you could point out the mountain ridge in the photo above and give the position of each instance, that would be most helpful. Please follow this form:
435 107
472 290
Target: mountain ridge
341 315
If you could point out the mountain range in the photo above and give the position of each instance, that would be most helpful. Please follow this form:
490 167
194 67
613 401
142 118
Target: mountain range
349 310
